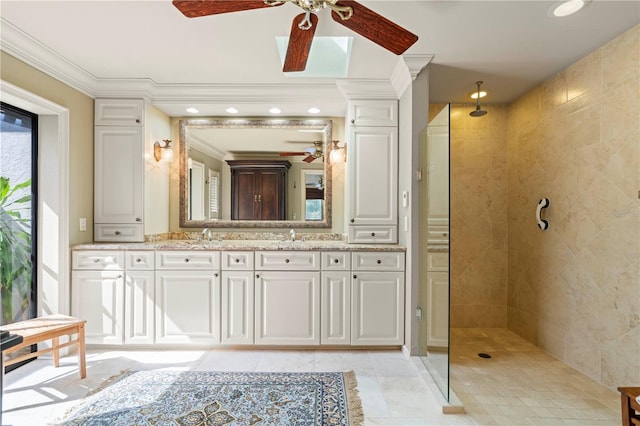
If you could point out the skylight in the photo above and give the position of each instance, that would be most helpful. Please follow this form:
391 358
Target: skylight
328 58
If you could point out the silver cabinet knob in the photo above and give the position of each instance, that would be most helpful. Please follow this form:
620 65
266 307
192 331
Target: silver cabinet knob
137 120
117 232
138 260
186 260
96 260
378 261
336 261
237 260
138 219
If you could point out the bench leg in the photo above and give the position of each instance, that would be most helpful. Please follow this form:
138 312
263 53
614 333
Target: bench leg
81 352
55 342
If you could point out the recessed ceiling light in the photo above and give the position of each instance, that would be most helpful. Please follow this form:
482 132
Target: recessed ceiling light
275 110
314 110
192 110
232 110
568 7
474 95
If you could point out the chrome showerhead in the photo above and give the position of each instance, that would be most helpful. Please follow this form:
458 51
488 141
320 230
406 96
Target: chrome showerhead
478 112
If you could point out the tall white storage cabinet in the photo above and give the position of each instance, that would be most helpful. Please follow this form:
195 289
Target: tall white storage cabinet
119 170
372 179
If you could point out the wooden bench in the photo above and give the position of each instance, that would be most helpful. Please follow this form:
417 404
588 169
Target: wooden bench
51 327
630 406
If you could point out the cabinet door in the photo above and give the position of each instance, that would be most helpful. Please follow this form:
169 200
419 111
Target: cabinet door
119 112
335 328
377 308
373 169
118 175
138 307
287 308
271 195
188 307
244 195
98 297
438 314
237 307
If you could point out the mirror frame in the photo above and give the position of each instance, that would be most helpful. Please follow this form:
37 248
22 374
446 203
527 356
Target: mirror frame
186 124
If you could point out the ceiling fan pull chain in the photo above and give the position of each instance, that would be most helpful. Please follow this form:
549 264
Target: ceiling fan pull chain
305 24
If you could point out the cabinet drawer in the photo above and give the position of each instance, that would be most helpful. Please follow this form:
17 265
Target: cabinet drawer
373 113
119 112
114 232
373 234
377 261
97 260
141 260
187 260
336 260
438 234
437 261
287 261
237 260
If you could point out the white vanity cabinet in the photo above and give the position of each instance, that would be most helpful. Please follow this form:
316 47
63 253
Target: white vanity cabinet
97 288
187 290
377 298
139 297
118 170
287 297
237 298
335 298
372 172
438 299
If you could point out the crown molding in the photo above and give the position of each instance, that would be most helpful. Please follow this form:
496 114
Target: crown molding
206 148
22 46
406 70
366 89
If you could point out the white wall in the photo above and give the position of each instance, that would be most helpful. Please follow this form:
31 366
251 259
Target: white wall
156 179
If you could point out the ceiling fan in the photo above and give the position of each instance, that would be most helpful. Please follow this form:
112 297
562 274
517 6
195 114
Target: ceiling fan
349 13
311 153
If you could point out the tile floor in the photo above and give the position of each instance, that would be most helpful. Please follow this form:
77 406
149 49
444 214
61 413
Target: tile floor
522 385
519 385
392 389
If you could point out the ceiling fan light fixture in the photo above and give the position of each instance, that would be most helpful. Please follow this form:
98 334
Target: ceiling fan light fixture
475 95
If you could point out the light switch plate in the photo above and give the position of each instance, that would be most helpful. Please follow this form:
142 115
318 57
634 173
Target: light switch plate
83 224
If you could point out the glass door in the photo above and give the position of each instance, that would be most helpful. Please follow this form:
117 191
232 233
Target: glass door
18 142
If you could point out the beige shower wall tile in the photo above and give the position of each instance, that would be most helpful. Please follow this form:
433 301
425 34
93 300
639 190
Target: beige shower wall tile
583 353
585 76
620 58
622 171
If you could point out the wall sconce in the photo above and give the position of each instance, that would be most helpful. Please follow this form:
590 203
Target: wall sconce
163 152
338 153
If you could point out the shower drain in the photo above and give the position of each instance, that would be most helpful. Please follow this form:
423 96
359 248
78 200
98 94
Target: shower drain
483 355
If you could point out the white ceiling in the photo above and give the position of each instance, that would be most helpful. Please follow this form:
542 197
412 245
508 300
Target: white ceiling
149 48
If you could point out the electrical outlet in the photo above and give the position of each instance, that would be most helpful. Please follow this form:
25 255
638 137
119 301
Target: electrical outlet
83 224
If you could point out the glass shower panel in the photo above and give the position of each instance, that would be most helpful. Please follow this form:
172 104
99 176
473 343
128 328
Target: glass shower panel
434 249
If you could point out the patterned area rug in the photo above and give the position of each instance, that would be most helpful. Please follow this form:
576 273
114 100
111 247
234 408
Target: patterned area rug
222 398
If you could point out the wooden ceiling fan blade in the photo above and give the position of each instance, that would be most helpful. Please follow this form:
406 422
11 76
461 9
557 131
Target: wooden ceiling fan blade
291 154
197 8
299 44
376 27
309 159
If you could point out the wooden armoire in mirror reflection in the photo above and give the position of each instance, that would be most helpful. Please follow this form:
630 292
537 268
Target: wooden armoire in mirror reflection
258 189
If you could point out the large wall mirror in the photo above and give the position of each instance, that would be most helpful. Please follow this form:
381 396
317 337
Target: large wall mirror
255 173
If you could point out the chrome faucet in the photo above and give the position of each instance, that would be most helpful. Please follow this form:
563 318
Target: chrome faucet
206 232
292 233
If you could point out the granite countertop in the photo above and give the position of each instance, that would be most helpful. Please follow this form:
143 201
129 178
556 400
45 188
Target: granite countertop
438 248
236 245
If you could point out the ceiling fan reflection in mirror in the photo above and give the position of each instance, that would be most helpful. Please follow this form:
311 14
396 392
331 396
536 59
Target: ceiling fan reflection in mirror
312 153
349 13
